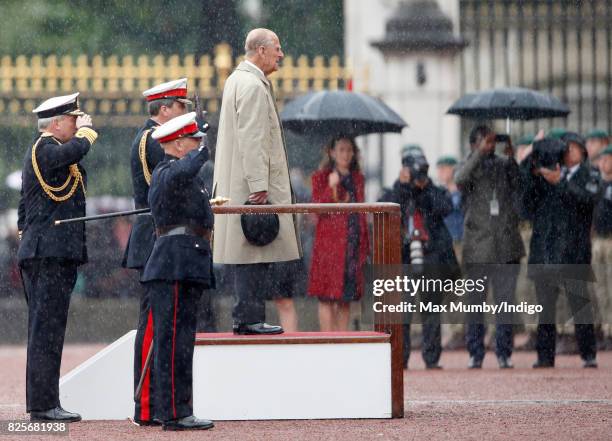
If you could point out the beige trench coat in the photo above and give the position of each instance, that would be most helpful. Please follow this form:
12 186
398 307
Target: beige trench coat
250 157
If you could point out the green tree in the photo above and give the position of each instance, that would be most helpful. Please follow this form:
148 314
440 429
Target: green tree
306 27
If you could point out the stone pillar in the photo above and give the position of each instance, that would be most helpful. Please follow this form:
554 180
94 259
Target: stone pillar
420 80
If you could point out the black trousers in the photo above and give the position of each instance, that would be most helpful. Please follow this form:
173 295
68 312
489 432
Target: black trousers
48 283
502 278
249 297
144 408
174 311
547 293
432 338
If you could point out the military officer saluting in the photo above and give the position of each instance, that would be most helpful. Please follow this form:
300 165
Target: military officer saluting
179 268
53 187
165 101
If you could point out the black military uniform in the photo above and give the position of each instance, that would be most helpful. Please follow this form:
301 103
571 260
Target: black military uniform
145 154
53 187
179 268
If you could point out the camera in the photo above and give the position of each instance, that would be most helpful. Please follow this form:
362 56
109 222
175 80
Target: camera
548 153
418 166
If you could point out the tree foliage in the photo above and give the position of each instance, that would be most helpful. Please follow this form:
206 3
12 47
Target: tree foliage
164 26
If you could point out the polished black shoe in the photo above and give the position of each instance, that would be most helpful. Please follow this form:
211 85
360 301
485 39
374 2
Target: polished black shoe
474 363
504 362
55 414
432 366
543 364
188 423
257 329
590 363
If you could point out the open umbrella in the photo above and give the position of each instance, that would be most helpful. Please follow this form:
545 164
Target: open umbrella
340 112
509 103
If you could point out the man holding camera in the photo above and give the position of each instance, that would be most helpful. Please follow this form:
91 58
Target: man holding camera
559 195
489 185
426 240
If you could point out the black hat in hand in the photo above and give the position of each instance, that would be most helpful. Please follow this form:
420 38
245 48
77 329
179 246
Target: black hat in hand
259 229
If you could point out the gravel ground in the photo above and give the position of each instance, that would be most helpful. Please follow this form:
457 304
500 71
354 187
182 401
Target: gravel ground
565 403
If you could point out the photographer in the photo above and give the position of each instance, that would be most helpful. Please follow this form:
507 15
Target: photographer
426 240
489 185
560 194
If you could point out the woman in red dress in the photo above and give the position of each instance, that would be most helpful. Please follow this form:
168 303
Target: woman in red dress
341 240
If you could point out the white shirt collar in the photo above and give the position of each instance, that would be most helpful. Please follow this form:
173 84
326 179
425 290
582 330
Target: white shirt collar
571 171
255 66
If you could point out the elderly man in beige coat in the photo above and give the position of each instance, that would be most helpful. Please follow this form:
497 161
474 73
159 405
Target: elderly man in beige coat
251 164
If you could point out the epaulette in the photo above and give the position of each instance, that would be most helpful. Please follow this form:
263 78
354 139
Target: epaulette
142 153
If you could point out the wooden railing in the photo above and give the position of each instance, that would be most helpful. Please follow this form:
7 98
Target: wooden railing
386 246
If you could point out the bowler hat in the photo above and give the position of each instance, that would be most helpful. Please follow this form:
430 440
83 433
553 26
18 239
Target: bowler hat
259 229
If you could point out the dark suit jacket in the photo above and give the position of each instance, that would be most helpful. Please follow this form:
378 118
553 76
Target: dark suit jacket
142 236
177 197
37 211
487 238
435 204
562 216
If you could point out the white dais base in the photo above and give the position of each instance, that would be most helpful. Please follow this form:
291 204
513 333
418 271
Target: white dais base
234 381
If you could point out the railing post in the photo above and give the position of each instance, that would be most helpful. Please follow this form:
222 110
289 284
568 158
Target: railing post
387 251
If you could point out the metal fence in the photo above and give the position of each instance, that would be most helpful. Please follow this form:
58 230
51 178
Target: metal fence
558 46
111 86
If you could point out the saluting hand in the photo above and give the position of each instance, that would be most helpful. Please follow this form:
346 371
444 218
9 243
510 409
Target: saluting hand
83 121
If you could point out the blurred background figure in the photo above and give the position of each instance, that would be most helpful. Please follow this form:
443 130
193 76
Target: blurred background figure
341 242
489 185
425 240
207 319
602 246
445 168
306 222
596 141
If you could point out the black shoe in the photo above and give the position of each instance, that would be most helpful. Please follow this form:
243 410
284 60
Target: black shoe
543 364
474 363
257 329
432 366
152 422
590 363
55 414
188 423
504 362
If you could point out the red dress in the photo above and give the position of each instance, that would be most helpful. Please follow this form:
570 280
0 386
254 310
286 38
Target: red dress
329 254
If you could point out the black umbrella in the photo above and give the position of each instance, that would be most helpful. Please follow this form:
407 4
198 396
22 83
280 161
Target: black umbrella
509 103
340 112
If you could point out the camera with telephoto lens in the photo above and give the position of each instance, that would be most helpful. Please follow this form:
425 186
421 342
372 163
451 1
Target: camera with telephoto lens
548 153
